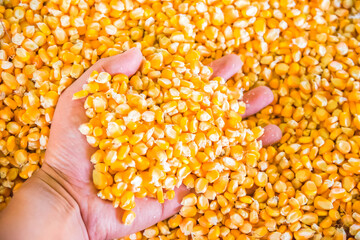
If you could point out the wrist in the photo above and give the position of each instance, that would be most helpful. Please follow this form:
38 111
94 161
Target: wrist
41 207
62 194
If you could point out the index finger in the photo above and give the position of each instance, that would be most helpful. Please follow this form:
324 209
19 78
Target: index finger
257 98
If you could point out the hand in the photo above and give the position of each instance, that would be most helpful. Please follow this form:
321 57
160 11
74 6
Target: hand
68 153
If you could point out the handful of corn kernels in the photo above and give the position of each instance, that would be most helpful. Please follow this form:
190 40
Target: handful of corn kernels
162 126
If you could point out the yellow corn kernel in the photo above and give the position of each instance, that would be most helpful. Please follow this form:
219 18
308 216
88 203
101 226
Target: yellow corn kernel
322 203
127 200
128 217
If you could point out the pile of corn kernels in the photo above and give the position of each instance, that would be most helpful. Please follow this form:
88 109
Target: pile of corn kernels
165 127
307 52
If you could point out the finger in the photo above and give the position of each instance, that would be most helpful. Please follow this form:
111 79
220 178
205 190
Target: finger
127 63
256 99
226 66
272 134
148 212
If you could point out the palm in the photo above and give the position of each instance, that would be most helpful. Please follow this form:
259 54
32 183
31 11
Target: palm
68 154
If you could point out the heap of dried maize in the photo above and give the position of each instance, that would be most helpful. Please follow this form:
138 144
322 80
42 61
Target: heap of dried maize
166 125
307 52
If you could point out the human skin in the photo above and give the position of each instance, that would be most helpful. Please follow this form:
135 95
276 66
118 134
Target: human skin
60 201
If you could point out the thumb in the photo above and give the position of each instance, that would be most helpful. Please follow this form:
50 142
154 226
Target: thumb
126 63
